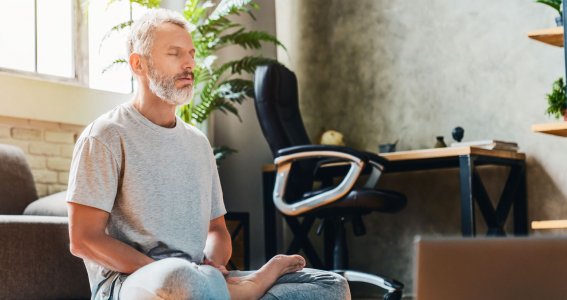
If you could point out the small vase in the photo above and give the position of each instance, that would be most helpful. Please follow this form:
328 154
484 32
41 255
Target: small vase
559 21
440 143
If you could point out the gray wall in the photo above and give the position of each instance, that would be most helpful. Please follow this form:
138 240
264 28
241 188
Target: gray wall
241 173
381 70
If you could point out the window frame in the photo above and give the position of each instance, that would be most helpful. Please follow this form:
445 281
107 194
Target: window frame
79 42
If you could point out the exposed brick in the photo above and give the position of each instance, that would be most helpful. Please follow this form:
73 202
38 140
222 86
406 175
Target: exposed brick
36 162
67 151
61 137
44 176
58 164
63 177
44 125
55 188
20 144
14 121
44 149
27 134
71 127
41 189
4 131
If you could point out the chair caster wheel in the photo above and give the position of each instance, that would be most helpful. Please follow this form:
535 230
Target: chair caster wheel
395 295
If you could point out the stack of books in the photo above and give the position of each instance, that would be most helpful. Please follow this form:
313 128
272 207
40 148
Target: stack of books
489 144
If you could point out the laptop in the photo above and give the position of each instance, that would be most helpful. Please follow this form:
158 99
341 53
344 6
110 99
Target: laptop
491 268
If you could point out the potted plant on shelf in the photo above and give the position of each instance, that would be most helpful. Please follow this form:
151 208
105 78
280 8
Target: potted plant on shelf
557 100
555 4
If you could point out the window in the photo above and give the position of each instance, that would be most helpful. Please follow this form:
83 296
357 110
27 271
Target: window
52 38
43 42
105 48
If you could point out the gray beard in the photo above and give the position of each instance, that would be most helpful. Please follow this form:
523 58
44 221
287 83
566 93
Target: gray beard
165 89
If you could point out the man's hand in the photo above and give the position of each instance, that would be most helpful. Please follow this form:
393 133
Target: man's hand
221 268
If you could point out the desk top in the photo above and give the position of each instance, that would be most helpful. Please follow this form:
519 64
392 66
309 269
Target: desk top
559 128
450 152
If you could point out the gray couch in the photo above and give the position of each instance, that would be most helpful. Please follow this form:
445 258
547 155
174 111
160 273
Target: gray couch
35 262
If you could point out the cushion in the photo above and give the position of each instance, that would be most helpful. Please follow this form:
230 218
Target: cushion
17 188
52 205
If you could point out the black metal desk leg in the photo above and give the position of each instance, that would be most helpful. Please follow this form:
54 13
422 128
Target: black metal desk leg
270 238
521 205
466 166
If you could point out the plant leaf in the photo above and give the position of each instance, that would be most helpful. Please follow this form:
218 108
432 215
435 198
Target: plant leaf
246 64
222 152
119 61
248 39
557 99
114 29
555 4
227 7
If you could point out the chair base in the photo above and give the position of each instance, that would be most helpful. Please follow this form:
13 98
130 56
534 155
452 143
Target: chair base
393 287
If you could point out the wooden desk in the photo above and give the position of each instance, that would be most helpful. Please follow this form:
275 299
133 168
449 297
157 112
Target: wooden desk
471 187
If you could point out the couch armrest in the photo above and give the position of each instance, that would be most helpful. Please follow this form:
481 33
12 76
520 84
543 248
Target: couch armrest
35 262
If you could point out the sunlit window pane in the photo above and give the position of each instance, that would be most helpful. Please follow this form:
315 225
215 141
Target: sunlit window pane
102 17
55 38
17 37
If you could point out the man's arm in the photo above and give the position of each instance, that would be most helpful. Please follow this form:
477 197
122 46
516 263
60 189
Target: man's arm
218 248
89 241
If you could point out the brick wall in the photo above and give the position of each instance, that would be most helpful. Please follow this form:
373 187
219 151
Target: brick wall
48 147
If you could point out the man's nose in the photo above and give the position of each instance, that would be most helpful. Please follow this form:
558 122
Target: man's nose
189 63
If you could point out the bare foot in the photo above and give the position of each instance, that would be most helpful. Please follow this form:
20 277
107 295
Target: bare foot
286 263
255 285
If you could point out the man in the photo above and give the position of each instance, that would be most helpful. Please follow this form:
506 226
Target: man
146 212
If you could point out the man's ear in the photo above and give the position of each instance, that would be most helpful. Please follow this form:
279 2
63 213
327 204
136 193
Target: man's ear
136 64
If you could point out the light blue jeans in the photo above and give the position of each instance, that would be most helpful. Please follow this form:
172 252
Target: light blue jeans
179 279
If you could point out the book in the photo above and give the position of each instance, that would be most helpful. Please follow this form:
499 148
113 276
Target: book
489 145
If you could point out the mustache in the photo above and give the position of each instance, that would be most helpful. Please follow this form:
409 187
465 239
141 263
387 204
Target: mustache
186 74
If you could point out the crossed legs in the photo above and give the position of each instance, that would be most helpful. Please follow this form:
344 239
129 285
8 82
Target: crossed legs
175 278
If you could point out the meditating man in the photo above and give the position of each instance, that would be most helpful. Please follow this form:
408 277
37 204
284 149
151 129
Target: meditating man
146 211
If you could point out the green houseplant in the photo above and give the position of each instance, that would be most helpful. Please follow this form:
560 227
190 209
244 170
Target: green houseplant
217 86
556 5
557 100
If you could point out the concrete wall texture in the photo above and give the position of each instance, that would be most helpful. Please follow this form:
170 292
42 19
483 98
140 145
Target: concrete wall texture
380 71
241 173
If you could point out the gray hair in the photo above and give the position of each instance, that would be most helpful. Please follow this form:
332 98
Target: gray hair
141 36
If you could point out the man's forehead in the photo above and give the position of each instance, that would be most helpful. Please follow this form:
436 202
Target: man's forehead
173 36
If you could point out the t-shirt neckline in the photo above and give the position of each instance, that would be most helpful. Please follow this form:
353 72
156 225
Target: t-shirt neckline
145 121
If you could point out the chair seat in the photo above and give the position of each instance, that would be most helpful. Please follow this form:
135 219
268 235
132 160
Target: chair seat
365 200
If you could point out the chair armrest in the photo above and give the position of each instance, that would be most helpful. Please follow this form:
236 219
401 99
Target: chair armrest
287 156
35 262
313 148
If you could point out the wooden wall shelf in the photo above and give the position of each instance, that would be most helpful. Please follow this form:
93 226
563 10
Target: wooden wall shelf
551 36
552 224
559 129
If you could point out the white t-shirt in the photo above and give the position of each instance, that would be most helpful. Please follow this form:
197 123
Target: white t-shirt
160 186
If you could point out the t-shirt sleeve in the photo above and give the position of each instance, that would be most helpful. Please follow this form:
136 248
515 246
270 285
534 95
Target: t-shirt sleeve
217 202
94 173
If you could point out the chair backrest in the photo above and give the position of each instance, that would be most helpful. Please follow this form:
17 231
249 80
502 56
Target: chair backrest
277 107
17 187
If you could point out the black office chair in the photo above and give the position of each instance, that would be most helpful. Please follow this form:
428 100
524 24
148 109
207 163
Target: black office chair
306 180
